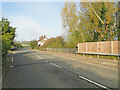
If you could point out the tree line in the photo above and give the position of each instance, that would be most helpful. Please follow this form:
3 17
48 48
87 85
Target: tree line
90 21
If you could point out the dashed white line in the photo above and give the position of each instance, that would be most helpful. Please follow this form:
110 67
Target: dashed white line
12 58
46 61
56 65
94 82
39 57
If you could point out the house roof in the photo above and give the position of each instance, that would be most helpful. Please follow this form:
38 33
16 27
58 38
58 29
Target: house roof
44 39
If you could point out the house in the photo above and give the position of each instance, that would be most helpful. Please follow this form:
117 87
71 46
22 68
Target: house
42 41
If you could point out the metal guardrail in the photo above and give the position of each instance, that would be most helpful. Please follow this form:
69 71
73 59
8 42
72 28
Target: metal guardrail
98 54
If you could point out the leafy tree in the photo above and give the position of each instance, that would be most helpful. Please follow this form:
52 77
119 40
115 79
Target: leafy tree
89 21
19 45
101 18
70 22
57 42
33 44
8 34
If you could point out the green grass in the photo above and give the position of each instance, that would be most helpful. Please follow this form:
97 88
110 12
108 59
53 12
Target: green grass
109 57
25 45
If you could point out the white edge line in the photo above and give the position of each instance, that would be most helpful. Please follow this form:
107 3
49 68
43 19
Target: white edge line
56 65
94 82
39 57
12 58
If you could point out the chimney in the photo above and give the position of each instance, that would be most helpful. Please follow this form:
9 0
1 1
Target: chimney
44 36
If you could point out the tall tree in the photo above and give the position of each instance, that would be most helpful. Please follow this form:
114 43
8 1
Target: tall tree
90 21
71 23
102 18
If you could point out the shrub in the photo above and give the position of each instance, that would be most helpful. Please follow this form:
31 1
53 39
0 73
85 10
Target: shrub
57 42
18 45
33 44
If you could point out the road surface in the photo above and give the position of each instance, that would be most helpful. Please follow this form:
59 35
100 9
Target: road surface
38 69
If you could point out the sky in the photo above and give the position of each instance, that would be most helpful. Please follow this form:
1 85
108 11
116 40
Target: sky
33 19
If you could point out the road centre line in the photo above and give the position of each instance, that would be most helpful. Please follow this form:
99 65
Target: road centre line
39 57
12 58
94 83
56 65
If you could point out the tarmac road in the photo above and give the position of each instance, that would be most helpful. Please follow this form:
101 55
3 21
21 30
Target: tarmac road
33 69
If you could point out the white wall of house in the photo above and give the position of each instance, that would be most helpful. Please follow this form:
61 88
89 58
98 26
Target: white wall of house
42 42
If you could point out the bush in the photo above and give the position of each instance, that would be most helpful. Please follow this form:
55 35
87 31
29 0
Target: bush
5 48
18 45
57 42
33 44
8 35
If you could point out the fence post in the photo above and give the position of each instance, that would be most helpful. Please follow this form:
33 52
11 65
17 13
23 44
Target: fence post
97 46
97 50
118 58
98 56
67 50
78 47
86 46
111 46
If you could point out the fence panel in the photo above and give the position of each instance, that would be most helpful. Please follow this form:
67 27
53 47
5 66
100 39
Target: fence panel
82 47
91 47
105 47
100 47
116 47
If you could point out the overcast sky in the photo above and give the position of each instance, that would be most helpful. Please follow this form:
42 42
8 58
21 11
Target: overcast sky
34 19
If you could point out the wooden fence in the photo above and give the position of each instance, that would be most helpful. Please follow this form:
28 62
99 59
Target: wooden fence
112 47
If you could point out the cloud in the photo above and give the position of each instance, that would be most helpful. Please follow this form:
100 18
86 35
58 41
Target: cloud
34 19
27 28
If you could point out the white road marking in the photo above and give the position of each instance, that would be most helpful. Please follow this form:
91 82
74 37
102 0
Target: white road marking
46 61
56 65
39 57
94 82
12 58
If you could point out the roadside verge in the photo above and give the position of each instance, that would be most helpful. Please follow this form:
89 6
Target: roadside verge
113 64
